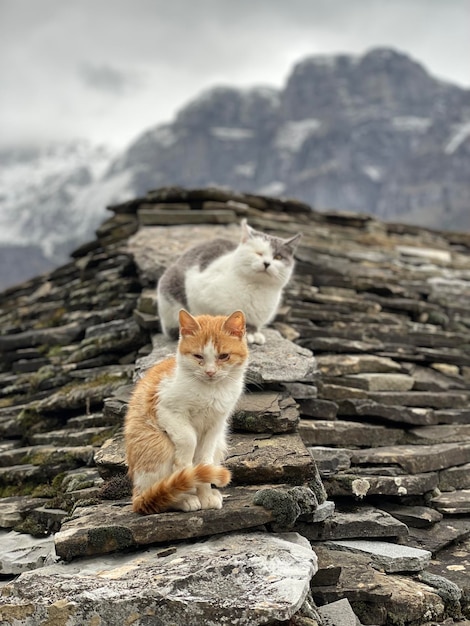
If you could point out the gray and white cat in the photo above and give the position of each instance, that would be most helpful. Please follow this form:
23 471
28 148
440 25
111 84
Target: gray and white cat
219 276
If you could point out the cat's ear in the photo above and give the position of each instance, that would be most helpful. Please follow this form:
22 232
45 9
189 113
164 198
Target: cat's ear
235 324
188 324
247 231
293 242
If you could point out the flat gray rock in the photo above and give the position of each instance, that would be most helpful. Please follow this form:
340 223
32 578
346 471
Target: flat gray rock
390 557
361 522
15 508
397 413
347 364
279 360
453 503
362 485
265 412
243 579
330 460
451 530
20 553
111 526
342 433
377 597
154 248
414 516
415 459
455 478
381 381
255 459
338 613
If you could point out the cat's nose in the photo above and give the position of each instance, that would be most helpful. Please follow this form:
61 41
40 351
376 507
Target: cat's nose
266 264
210 373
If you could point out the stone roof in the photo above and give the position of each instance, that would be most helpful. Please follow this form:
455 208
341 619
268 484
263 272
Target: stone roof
353 436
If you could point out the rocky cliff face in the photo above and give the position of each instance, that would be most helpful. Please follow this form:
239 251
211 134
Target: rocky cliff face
350 450
375 134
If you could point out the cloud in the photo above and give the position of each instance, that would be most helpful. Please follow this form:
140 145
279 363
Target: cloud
105 78
108 71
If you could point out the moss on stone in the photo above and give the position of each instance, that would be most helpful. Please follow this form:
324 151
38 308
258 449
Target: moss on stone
43 373
100 438
447 590
110 539
43 491
6 402
28 417
54 352
53 318
30 526
283 505
116 488
25 489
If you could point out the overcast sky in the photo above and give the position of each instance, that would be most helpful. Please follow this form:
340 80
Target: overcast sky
106 70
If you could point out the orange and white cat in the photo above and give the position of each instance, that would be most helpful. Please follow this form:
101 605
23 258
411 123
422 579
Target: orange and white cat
177 420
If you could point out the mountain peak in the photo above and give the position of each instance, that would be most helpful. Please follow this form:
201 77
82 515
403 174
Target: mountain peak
372 133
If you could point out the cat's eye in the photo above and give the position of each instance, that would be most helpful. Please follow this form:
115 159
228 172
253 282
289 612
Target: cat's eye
278 257
198 357
259 253
224 356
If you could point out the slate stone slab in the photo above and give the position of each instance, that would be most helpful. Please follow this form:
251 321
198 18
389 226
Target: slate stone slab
347 364
338 613
154 248
371 409
376 597
110 459
453 503
318 408
442 534
455 478
414 516
279 360
415 459
445 433
269 412
330 460
112 526
342 433
162 217
391 557
15 508
257 577
269 459
360 486
381 381
363 522
434 400
20 553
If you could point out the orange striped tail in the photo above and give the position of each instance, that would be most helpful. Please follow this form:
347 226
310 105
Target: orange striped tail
162 495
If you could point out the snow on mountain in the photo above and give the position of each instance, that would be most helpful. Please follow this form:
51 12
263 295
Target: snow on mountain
38 190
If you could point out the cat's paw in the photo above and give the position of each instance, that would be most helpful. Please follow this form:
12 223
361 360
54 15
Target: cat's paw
256 337
211 499
188 503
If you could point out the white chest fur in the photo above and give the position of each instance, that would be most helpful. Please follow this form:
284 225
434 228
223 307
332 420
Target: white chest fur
202 404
